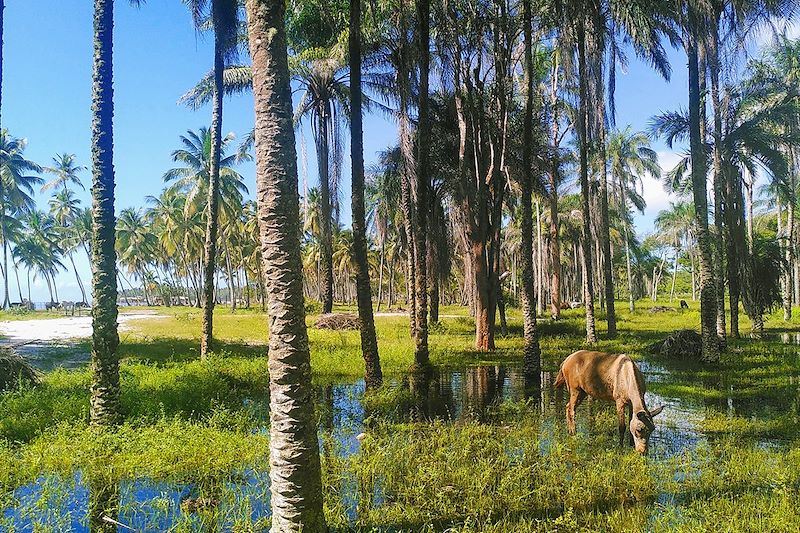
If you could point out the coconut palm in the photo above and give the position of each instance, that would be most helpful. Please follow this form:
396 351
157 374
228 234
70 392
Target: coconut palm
224 19
105 337
630 159
66 172
136 245
18 176
531 352
295 472
369 342
64 208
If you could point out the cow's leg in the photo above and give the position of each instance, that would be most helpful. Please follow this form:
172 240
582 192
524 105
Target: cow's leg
621 425
576 396
630 419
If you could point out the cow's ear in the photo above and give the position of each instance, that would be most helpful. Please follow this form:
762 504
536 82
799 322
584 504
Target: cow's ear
646 420
657 411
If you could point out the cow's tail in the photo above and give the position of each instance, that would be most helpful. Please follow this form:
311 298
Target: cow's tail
560 381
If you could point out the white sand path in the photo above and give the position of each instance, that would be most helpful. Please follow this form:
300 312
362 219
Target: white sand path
59 329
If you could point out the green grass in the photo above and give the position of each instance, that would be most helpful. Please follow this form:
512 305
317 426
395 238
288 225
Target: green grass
201 424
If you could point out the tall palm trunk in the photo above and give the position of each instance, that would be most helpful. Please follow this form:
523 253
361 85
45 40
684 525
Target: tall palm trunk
78 278
295 474
380 272
531 353
708 299
588 287
605 234
789 251
326 237
212 208
105 389
4 237
369 342
719 185
555 248
423 184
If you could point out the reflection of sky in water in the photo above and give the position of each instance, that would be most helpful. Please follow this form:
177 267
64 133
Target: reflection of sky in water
473 392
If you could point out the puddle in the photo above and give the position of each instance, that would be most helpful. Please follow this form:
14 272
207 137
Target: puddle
474 393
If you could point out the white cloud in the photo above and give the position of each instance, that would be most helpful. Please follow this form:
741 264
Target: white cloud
654 194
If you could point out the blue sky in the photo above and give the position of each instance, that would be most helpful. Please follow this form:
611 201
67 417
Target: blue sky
157 57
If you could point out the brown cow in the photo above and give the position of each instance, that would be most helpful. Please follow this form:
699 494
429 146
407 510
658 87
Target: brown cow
611 377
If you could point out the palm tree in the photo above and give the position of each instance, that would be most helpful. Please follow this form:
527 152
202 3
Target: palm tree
105 337
225 22
136 245
64 208
41 231
530 352
295 472
324 99
17 179
193 179
630 158
369 341
65 170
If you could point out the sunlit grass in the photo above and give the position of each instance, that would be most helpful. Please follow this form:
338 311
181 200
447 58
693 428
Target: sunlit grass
203 424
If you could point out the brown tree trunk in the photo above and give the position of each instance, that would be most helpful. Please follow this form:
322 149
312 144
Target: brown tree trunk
369 343
295 474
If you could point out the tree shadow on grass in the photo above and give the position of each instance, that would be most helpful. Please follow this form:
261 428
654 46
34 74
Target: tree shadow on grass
164 350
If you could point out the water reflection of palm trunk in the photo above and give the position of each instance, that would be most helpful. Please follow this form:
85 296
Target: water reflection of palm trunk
103 505
425 388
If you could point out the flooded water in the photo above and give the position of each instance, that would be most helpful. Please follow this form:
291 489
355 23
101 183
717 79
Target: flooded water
473 393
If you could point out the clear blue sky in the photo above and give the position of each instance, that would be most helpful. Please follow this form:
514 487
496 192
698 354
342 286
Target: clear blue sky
157 57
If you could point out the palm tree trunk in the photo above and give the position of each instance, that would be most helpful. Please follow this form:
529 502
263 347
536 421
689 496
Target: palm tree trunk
326 237
78 278
539 261
4 238
555 249
719 186
588 287
212 208
531 353
708 297
605 237
105 389
674 274
373 376
421 357
631 299
295 472
789 254
380 273
19 287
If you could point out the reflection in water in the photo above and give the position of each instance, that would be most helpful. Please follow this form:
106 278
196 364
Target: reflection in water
473 393
103 505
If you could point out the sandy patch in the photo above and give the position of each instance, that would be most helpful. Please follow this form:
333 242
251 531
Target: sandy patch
59 329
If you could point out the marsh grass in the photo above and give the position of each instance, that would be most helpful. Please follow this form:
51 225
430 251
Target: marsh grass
199 429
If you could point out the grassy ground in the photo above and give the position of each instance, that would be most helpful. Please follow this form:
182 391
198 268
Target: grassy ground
199 426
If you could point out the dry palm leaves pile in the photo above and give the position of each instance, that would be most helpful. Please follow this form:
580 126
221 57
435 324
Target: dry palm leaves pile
681 344
14 370
338 321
